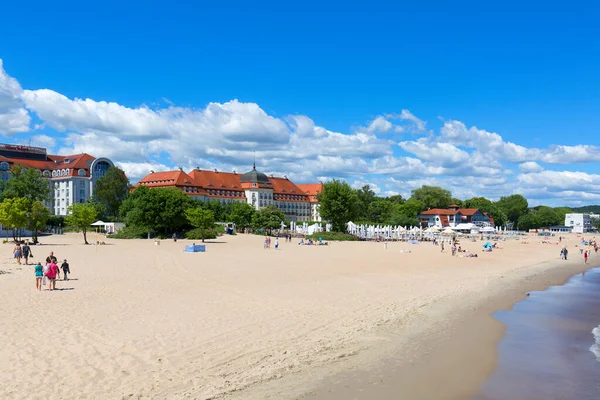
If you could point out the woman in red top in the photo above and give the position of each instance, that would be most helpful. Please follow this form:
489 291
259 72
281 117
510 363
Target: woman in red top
51 274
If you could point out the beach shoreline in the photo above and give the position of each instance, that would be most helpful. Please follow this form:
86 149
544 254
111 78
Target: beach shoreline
242 322
458 359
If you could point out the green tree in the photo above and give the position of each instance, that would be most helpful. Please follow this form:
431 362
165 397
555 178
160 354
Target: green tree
513 206
241 215
81 216
37 217
562 213
432 196
458 202
201 219
379 211
269 217
397 199
406 214
220 211
13 213
111 190
159 210
540 217
365 197
596 223
547 216
338 204
27 183
99 207
528 221
488 206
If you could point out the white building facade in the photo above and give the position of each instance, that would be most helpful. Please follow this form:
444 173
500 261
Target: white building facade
581 223
71 179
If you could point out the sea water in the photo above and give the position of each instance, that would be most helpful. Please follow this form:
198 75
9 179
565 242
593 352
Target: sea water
596 346
551 349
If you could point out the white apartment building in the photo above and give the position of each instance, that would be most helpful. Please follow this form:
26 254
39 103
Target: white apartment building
71 178
581 223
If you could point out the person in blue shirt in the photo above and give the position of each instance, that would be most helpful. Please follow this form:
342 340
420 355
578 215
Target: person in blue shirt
39 275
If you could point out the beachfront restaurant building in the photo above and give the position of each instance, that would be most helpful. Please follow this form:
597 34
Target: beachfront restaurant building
298 202
453 216
71 178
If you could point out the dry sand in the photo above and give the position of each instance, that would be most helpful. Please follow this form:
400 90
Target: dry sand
144 321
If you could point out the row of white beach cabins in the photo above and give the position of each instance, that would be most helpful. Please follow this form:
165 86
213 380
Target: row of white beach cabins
390 232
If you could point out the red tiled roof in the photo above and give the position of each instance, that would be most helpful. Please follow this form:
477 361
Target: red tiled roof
312 190
469 212
439 211
169 178
208 182
55 162
216 180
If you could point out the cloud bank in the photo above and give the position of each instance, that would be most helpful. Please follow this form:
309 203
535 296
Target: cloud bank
395 152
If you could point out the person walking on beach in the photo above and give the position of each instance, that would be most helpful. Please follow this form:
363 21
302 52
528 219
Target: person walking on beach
52 274
276 243
39 275
566 253
18 253
66 270
442 244
51 258
453 250
585 257
27 253
265 244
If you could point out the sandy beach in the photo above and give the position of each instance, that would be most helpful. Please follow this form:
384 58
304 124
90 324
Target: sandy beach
239 322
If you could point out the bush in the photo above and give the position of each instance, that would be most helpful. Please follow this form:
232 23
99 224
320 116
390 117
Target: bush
196 234
131 232
332 236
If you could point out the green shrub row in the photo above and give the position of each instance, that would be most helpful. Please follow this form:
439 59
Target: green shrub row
332 236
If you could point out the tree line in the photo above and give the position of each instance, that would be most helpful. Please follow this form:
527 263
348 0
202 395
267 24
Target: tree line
164 211
339 203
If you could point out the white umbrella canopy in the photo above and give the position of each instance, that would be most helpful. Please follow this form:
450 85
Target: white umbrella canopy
448 231
99 223
435 229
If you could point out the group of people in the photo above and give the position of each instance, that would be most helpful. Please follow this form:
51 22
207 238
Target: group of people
267 243
50 272
22 251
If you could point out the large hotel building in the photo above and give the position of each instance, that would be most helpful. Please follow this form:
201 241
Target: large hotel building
71 178
297 201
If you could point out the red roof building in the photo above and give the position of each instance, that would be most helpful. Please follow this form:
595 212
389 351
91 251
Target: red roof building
451 217
71 178
253 187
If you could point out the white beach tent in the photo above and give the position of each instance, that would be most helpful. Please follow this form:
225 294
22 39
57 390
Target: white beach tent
448 231
487 229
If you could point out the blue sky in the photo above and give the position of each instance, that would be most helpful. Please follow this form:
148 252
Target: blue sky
496 98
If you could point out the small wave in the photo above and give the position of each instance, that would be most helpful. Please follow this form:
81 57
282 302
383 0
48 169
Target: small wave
596 346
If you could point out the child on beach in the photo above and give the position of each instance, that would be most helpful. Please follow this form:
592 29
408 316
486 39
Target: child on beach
66 270
276 244
39 275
